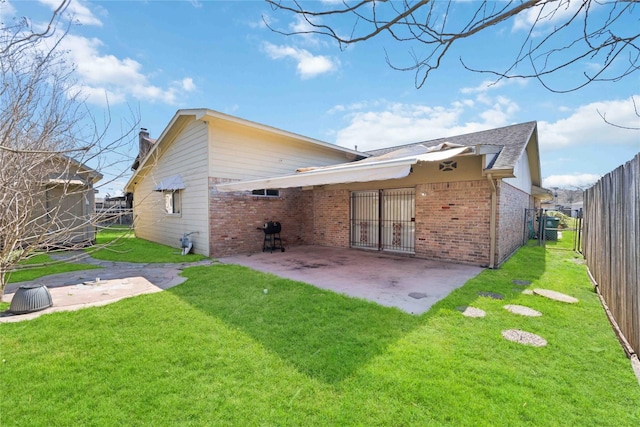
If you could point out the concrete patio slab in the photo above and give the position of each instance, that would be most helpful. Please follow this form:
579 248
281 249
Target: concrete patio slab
383 278
90 288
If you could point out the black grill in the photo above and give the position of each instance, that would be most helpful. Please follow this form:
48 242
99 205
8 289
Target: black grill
272 238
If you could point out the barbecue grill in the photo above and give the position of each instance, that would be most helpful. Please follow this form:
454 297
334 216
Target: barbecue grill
272 238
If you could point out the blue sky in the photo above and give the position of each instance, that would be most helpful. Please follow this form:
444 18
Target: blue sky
159 56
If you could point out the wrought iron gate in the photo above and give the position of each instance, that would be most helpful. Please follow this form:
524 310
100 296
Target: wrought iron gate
383 220
546 226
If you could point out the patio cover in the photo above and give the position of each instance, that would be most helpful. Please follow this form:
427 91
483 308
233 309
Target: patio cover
361 171
172 183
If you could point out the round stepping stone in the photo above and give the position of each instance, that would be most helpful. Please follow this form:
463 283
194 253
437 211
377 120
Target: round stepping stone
521 282
556 296
490 295
471 311
522 310
417 295
525 338
527 292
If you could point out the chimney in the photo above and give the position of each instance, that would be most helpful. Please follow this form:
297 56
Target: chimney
145 144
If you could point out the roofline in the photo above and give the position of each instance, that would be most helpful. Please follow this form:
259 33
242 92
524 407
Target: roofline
203 113
95 175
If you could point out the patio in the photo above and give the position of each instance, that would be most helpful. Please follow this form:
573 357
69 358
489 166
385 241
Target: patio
411 284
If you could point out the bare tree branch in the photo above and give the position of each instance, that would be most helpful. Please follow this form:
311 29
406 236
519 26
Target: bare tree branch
557 36
50 148
637 112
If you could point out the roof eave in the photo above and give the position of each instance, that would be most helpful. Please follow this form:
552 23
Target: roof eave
204 113
499 173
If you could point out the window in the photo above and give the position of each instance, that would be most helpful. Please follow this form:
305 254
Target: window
172 202
271 192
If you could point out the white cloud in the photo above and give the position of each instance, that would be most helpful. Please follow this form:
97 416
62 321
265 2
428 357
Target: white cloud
6 11
300 25
308 65
188 84
118 79
585 126
76 11
549 14
581 180
384 124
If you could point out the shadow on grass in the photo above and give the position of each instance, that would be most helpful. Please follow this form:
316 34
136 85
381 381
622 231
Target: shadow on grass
528 264
325 335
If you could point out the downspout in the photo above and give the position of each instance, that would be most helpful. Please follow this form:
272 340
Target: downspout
492 223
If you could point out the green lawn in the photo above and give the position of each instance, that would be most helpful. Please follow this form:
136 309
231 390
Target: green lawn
120 244
43 265
217 350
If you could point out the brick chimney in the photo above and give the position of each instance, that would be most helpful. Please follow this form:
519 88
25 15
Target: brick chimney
145 144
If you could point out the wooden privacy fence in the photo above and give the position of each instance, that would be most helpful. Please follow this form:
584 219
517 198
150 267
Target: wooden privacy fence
611 236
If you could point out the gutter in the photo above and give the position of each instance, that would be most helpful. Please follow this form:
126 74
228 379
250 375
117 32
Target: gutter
492 222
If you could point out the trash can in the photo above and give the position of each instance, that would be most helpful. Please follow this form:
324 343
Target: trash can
551 228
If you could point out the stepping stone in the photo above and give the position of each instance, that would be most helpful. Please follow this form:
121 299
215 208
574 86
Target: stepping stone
521 282
525 338
471 311
417 295
522 310
490 295
556 296
527 292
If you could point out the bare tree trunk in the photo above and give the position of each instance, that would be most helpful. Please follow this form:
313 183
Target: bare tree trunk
47 141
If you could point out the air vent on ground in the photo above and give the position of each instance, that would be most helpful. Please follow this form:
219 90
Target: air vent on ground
30 298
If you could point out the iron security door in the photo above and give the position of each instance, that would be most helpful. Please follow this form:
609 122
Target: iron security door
365 224
383 220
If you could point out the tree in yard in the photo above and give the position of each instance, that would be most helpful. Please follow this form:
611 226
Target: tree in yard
568 37
47 139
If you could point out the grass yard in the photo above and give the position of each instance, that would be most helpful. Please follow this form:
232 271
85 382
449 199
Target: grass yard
217 350
43 265
120 244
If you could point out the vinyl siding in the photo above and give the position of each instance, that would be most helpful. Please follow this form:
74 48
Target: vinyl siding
522 181
186 156
241 153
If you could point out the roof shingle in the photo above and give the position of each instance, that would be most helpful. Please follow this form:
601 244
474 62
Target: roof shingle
512 139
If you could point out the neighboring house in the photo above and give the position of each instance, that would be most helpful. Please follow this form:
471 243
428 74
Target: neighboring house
460 199
66 203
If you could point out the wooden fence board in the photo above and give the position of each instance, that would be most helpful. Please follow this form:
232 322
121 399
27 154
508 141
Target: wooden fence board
611 244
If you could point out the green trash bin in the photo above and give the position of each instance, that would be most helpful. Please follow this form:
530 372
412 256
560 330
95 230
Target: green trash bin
551 228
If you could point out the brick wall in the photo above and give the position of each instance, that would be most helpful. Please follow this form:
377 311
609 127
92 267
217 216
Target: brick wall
452 221
331 218
234 219
510 220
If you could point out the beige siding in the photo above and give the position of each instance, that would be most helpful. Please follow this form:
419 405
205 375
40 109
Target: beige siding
187 156
241 152
522 181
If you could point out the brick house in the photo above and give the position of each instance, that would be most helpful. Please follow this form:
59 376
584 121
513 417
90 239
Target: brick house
460 198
